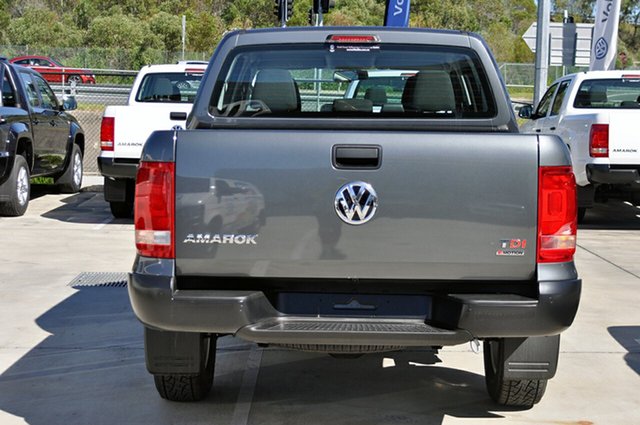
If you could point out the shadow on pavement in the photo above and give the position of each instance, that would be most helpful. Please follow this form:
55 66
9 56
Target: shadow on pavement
629 338
613 215
88 207
90 370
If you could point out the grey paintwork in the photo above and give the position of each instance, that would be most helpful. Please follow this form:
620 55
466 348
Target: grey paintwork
446 200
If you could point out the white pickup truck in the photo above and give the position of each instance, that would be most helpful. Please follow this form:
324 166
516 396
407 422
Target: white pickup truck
595 113
160 99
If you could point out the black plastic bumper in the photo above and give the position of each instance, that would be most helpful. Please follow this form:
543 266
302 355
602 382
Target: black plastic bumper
613 174
110 167
456 318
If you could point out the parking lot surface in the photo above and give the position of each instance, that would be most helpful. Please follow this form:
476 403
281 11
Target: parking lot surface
72 353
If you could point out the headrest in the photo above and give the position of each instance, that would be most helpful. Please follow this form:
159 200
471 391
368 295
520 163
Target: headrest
598 94
277 89
163 88
432 92
352 105
583 99
377 95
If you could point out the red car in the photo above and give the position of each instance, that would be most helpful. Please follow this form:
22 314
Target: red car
53 71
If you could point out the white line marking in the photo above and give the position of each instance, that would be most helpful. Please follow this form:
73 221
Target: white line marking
249 379
104 223
638 341
387 362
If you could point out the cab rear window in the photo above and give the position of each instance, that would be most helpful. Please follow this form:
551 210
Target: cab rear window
353 81
610 93
173 87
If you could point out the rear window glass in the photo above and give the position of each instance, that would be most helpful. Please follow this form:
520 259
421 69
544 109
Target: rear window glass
173 87
354 81
618 93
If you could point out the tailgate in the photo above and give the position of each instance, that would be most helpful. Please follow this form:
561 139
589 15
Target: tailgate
624 144
134 124
263 203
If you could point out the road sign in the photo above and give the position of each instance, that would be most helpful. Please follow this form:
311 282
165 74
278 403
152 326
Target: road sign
583 42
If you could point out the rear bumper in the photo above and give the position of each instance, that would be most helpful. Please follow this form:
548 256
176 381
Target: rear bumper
613 174
112 167
456 318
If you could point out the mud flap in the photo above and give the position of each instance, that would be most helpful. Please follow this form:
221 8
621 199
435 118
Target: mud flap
531 358
169 353
118 190
586 196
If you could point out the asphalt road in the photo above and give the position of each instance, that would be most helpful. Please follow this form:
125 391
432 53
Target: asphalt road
74 355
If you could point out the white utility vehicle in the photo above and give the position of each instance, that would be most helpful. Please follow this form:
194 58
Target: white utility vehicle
160 99
596 114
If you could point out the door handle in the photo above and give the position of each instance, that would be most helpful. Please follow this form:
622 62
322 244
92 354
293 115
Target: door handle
538 130
356 156
177 116
552 128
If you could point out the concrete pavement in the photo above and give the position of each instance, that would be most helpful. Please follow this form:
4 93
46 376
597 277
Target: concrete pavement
75 355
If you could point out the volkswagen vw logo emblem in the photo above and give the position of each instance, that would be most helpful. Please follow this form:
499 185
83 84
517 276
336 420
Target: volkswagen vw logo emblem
601 48
356 203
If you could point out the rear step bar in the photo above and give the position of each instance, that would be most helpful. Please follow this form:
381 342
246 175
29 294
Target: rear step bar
345 331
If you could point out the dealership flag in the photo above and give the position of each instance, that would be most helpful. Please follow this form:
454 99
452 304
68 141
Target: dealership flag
605 36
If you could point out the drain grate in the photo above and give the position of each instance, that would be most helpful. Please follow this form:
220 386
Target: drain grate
100 279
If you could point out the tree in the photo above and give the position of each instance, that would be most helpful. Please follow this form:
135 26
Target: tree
249 13
357 12
41 28
117 30
204 31
168 28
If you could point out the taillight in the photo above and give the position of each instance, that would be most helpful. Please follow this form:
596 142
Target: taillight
107 129
557 209
599 141
154 209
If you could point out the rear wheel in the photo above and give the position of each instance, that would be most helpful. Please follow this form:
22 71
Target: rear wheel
71 179
121 209
516 393
191 387
74 79
19 187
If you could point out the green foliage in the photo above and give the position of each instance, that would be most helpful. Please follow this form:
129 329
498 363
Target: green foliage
115 31
204 32
168 28
150 30
41 27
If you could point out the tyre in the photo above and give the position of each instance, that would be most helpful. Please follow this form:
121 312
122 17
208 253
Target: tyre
121 209
71 179
74 79
192 387
516 393
19 187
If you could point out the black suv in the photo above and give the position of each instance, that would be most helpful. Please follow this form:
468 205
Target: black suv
37 138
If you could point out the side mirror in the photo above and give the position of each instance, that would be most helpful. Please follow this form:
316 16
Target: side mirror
69 103
526 112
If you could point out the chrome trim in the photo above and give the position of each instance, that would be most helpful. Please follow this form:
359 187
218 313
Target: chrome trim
356 203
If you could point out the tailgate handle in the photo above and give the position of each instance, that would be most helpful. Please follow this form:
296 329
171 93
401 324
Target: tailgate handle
357 157
178 116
